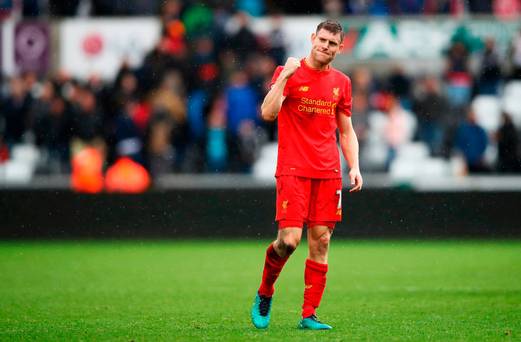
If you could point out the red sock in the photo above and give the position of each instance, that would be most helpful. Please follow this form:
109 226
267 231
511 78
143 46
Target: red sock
315 281
272 267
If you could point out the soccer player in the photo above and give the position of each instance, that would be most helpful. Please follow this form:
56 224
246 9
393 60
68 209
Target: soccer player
311 100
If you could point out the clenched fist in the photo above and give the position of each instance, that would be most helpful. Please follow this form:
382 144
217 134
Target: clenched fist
292 64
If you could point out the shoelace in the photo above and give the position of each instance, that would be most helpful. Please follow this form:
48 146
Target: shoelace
315 318
264 305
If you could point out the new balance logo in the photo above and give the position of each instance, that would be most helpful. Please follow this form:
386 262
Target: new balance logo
303 88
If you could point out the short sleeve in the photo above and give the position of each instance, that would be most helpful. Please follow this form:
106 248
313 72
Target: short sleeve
276 75
344 106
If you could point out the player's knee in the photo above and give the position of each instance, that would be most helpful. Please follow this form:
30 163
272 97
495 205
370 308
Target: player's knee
323 241
290 244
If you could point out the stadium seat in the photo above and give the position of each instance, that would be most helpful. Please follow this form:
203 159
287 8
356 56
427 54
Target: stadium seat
376 150
413 161
264 167
407 169
20 168
488 112
16 172
416 151
511 101
25 153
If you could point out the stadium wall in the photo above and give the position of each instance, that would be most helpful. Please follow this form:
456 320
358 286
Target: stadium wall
248 212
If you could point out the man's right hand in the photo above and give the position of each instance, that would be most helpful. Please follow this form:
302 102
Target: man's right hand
292 64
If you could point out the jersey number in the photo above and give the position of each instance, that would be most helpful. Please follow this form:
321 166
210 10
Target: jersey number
339 193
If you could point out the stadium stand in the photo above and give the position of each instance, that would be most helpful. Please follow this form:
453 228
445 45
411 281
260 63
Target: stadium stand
191 105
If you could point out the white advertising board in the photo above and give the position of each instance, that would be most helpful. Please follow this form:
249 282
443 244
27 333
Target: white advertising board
99 46
388 38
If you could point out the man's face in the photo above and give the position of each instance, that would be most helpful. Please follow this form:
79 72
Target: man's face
325 46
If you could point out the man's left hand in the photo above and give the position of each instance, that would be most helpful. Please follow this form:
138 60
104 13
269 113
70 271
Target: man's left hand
356 180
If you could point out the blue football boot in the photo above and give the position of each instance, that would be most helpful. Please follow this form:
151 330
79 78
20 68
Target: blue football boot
260 312
312 323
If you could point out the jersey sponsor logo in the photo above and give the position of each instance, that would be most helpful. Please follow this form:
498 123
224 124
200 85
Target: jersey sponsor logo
303 88
314 106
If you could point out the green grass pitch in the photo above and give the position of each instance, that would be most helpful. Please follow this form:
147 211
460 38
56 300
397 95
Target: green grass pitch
202 290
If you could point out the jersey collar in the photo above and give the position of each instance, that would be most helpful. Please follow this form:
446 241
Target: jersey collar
310 69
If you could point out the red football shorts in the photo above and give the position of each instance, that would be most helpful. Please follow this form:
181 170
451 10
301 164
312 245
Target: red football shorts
307 200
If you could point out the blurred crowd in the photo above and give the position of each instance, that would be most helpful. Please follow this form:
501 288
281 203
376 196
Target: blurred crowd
503 8
451 113
193 105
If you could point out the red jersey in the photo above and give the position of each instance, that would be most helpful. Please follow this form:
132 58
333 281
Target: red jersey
307 122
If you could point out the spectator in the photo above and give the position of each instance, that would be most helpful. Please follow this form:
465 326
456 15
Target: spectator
169 98
515 56
379 8
489 76
507 9
198 19
241 39
471 140
333 8
358 7
255 8
197 101
398 129
400 86
509 157
87 117
480 6
128 137
204 60
260 70
125 89
161 153
362 84
437 7
431 108
41 104
53 128
241 102
16 111
242 118
173 39
216 147
409 7
123 8
458 76
59 8
277 44
197 109
4 152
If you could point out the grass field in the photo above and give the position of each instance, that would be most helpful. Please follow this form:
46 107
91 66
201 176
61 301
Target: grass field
200 290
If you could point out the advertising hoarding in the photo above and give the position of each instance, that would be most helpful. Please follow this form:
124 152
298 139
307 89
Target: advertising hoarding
99 46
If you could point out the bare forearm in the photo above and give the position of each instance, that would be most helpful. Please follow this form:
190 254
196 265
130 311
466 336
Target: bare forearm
273 101
349 146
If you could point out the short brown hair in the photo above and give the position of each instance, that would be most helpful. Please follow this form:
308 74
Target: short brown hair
332 26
